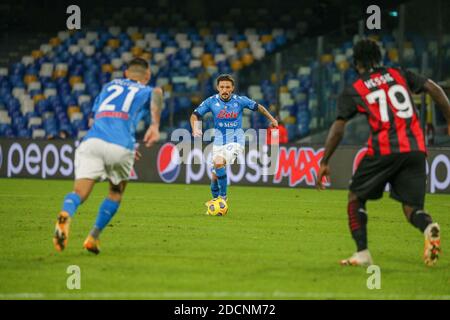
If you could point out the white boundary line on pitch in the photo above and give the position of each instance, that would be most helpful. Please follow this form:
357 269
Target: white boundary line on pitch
218 295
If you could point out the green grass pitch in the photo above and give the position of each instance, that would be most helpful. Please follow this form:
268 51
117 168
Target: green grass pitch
275 243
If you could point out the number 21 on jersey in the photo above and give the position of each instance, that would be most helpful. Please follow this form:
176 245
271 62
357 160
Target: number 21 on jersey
117 91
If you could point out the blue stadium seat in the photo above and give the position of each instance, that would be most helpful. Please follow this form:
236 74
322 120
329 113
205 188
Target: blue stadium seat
24 133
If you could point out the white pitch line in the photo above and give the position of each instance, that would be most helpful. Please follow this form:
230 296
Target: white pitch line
217 295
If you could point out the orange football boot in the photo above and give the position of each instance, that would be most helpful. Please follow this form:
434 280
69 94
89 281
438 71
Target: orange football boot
92 245
61 231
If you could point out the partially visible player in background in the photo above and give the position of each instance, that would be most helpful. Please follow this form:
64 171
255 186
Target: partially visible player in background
396 148
229 140
108 149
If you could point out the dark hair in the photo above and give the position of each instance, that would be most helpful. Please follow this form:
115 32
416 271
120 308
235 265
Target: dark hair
367 53
224 77
138 62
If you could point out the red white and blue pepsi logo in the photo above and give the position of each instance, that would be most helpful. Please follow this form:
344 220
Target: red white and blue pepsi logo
168 163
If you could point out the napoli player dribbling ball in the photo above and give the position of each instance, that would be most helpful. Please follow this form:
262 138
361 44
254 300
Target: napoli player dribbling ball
229 140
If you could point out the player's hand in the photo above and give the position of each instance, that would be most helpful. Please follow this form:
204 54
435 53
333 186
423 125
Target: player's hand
137 155
324 173
151 136
197 133
274 123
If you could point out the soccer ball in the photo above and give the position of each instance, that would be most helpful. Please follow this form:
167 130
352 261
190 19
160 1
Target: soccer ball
217 207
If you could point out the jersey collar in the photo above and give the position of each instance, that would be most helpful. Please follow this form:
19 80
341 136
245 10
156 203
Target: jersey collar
225 101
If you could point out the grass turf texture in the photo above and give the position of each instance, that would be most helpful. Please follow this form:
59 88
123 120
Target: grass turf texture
275 243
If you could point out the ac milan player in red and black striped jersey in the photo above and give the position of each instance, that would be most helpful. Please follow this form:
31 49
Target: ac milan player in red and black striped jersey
396 151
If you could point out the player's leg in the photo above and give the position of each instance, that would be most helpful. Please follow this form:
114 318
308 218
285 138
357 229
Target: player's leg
106 212
417 217
214 189
81 190
357 220
228 156
118 164
409 187
88 168
423 221
368 183
220 170
214 186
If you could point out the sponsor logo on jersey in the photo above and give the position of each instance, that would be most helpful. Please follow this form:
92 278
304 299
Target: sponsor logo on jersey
112 114
168 164
223 114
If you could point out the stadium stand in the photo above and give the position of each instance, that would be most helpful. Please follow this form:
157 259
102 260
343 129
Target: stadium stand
52 90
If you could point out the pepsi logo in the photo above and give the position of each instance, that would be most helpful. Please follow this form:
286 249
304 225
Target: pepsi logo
168 163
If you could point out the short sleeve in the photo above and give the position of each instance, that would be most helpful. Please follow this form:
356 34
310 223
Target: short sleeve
248 103
203 108
346 106
415 81
96 104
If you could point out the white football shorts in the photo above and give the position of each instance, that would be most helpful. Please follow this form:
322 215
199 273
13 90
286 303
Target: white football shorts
97 159
228 151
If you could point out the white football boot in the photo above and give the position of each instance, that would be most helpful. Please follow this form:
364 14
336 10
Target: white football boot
360 258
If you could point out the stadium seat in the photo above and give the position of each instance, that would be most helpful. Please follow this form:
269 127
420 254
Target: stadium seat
38 134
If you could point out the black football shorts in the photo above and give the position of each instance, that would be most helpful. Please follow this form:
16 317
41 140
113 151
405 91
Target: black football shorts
405 172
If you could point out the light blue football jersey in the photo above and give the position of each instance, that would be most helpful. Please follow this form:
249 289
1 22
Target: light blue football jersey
117 111
227 117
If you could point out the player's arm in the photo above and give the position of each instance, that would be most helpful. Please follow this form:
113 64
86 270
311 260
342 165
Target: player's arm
418 83
335 136
273 122
156 105
196 117
440 98
93 112
196 124
346 109
90 121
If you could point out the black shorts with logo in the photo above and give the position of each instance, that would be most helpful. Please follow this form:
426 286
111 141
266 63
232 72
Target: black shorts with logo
405 172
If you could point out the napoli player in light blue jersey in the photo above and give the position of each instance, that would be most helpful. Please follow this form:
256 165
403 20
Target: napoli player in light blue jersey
229 139
108 149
